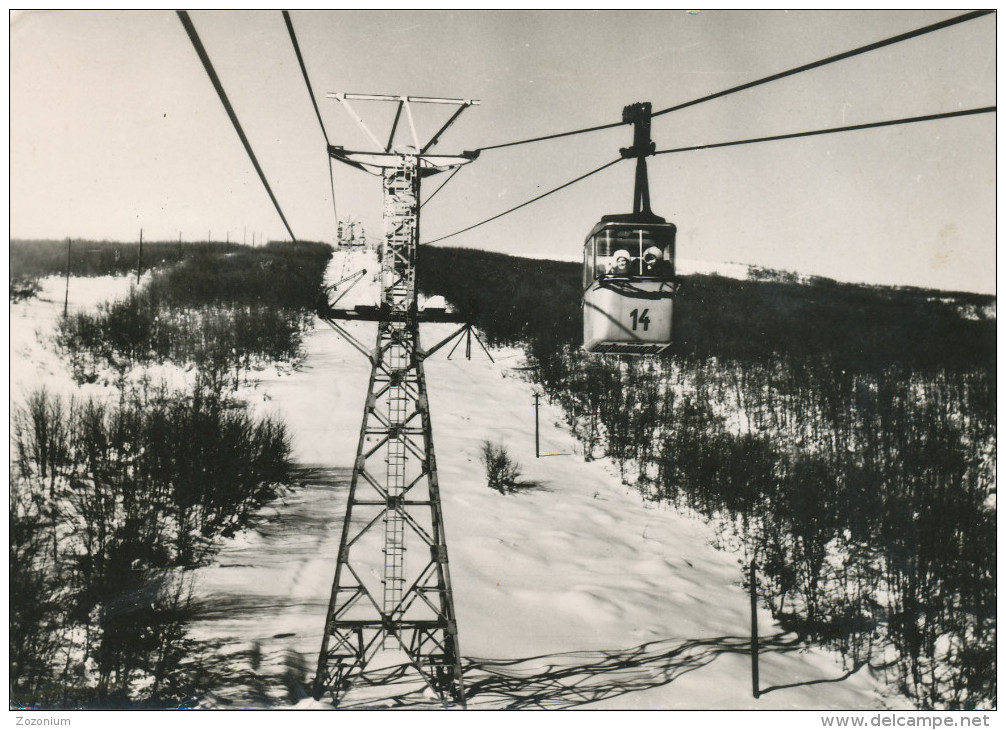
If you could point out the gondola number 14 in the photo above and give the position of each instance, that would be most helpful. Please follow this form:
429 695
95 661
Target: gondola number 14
640 319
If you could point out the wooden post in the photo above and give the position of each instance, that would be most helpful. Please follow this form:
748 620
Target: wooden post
179 245
537 451
66 297
139 258
754 629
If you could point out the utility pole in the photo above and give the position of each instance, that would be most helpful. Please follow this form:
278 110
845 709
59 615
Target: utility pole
139 258
537 451
753 581
66 297
380 602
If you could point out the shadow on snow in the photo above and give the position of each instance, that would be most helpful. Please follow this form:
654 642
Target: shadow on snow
572 679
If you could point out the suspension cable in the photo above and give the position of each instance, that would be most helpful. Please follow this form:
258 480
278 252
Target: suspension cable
528 202
551 136
317 112
303 70
715 145
441 186
831 59
201 52
831 130
774 77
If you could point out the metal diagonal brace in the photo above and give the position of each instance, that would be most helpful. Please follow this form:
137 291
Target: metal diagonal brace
356 278
436 137
394 127
446 341
351 340
358 119
469 330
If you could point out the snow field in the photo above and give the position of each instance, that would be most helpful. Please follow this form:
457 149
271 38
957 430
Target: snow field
572 592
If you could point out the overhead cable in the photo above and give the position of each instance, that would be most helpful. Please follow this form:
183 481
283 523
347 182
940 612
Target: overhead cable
314 103
774 77
303 70
715 145
201 52
831 130
528 202
831 59
441 186
551 136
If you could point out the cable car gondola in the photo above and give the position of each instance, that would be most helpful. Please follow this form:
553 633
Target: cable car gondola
628 285
628 267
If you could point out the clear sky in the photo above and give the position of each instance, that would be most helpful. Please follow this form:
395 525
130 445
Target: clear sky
115 126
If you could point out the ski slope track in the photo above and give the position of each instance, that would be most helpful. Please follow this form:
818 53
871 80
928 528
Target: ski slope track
571 593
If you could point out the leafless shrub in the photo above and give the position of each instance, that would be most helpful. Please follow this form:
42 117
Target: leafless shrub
502 471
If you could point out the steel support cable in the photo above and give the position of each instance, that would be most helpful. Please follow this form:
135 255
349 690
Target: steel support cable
774 77
201 52
303 70
773 138
551 136
317 112
528 202
830 130
831 59
441 186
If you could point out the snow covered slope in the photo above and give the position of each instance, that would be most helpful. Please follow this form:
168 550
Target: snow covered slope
573 592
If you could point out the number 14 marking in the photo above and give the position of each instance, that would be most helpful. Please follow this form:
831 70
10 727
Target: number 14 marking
640 319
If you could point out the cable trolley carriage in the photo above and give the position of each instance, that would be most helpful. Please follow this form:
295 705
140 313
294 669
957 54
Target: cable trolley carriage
628 266
628 285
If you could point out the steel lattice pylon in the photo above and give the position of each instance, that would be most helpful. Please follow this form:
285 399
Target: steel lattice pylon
381 601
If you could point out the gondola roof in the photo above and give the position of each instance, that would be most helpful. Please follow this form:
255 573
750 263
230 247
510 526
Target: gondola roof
642 217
